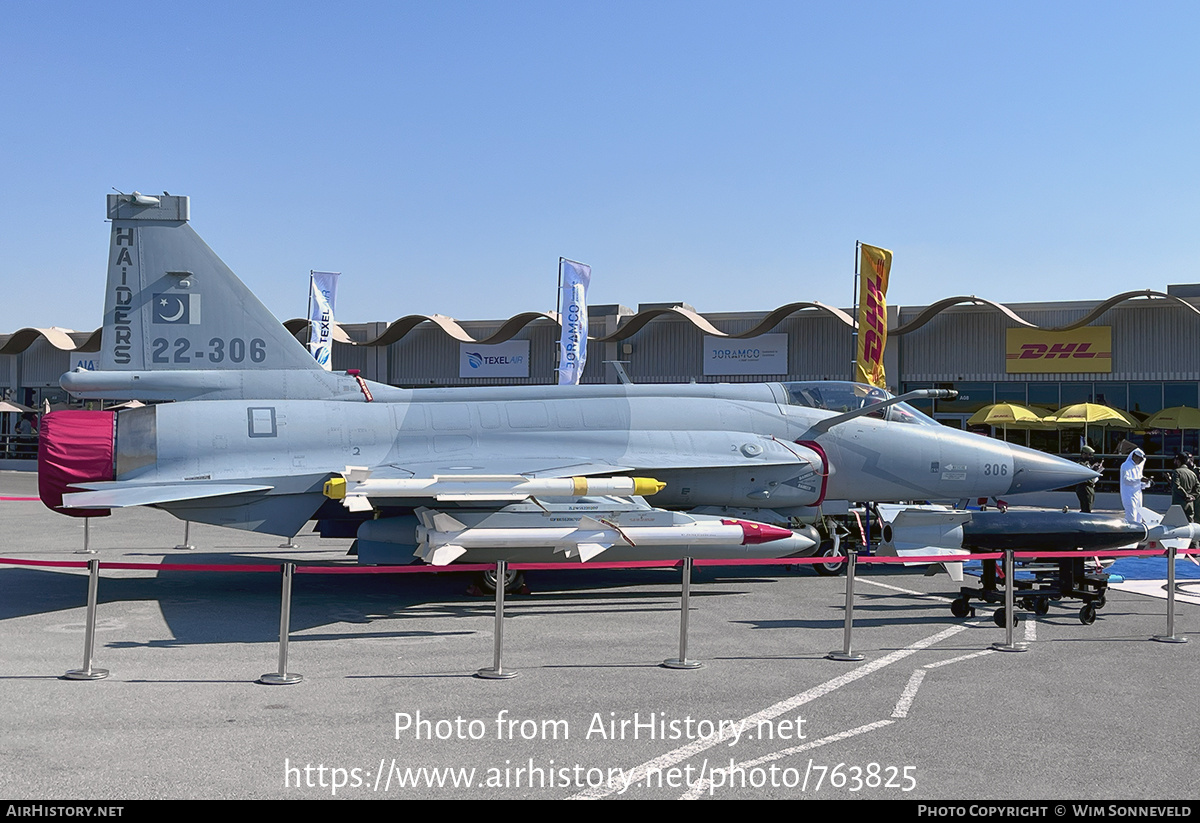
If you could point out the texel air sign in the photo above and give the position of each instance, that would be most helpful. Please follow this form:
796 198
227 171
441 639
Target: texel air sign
765 354
508 359
1082 351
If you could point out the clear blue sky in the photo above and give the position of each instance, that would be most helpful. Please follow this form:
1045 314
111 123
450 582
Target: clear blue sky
442 155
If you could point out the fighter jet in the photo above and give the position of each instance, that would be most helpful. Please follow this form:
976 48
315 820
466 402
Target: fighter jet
260 437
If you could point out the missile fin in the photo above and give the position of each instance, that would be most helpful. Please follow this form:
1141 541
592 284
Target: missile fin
445 554
589 550
356 503
443 522
1174 518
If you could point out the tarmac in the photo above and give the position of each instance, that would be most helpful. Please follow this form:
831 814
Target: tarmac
389 708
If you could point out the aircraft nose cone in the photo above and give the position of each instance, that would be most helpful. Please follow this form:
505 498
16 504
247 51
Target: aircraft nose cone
1034 471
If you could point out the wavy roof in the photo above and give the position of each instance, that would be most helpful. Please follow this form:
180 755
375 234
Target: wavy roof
67 340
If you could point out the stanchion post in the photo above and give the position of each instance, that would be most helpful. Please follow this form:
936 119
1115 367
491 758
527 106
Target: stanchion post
1170 637
89 634
283 677
846 654
682 661
1010 619
497 672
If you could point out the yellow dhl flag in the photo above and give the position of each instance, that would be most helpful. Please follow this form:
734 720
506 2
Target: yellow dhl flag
875 265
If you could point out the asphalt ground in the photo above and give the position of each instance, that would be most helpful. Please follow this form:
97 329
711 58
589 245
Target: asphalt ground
389 697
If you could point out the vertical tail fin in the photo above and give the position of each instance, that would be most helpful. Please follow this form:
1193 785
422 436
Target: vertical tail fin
171 303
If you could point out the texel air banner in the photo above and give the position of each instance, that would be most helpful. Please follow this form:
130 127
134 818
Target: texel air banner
875 265
572 347
321 296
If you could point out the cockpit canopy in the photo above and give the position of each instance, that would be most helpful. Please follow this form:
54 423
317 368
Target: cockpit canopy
841 397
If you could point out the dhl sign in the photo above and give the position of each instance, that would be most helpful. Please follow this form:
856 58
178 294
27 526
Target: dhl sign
874 270
1033 351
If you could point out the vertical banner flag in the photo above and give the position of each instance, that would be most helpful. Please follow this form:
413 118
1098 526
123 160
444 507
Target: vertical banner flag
572 346
874 268
321 295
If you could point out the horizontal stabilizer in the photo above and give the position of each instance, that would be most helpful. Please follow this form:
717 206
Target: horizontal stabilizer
118 495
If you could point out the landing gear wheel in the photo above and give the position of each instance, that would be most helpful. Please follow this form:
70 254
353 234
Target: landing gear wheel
1041 605
960 607
513 581
1087 615
828 569
999 618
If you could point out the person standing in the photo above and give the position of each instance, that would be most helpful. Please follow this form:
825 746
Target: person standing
1086 491
1185 486
27 430
1133 484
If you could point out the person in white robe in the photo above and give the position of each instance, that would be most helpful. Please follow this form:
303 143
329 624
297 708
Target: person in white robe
1133 484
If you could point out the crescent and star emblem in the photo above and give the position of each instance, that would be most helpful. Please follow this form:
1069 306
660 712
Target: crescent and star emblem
172 318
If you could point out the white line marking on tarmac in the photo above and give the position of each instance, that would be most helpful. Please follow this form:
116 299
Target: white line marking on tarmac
700 787
909 693
638 773
961 657
902 591
1030 630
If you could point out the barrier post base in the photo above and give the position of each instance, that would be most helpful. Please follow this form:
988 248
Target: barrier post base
676 663
86 674
496 674
846 657
1015 647
280 679
1169 638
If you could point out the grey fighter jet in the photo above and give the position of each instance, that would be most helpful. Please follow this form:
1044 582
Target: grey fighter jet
260 437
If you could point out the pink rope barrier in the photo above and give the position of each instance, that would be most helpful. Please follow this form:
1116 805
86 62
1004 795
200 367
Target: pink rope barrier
624 564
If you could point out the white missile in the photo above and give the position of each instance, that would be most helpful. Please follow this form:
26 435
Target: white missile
1174 530
442 538
356 493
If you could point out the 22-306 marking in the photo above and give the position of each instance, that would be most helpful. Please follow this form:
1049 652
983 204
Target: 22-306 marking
235 349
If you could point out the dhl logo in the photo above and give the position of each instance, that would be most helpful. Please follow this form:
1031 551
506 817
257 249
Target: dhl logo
1062 351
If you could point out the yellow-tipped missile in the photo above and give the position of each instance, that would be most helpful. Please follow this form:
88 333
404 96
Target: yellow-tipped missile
356 494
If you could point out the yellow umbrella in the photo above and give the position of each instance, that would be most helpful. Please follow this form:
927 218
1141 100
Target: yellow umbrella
1091 414
1174 418
1005 415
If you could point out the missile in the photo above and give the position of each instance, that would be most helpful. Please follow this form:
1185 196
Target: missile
442 538
1174 530
355 490
1020 530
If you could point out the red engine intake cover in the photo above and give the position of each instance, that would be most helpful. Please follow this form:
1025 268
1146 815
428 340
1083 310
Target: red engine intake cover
74 447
